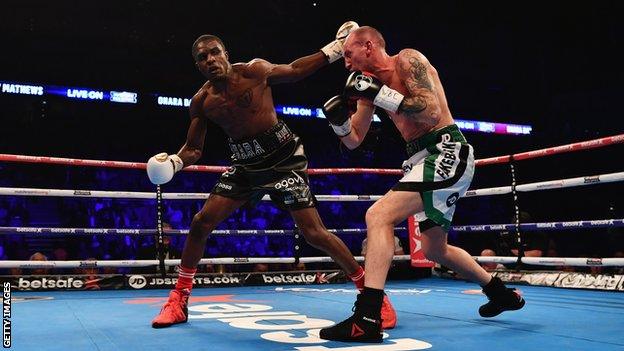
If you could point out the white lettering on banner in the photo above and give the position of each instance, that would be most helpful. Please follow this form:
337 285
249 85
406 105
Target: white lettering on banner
602 222
123 97
173 101
251 316
49 283
289 279
85 94
587 281
22 89
547 225
296 111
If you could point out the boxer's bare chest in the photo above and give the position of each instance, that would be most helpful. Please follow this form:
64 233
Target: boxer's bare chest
409 125
238 107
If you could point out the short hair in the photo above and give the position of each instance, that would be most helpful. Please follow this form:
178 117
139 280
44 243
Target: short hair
38 256
206 37
371 33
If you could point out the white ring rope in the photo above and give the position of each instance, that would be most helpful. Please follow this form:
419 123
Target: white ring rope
138 231
173 262
554 261
152 195
541 261
551 184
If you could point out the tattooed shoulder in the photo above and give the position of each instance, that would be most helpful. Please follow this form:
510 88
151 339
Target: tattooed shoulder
413 67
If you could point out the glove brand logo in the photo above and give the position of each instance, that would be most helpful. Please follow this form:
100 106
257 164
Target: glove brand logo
137 281
161 157
362 82
345 29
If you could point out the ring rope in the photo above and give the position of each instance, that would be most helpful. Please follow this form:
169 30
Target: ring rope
545 185
542 261
584 145
115 231
527 227
542 226
554 261
170 262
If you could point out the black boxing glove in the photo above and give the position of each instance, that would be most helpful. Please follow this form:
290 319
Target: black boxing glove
337 112
363 85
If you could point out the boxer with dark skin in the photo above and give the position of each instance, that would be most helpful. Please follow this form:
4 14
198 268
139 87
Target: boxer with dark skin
237 97
267 158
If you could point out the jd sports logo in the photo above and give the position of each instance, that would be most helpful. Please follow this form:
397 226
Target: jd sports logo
137 281
452 199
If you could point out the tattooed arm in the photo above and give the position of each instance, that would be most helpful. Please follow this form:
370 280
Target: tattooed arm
415 72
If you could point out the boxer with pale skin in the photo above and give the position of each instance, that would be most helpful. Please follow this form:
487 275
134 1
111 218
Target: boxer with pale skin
437 173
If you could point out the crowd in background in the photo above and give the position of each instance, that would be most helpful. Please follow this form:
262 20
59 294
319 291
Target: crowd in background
135 213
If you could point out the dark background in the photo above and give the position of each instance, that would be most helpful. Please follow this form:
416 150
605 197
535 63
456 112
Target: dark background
553 65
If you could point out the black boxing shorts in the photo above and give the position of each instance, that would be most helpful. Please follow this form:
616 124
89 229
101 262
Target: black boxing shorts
272 163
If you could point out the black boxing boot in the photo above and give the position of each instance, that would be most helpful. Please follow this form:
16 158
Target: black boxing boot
364 325
501 299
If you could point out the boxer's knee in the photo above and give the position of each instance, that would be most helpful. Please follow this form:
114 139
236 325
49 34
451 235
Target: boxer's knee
376 217
436 254
316 235
202 224
434 250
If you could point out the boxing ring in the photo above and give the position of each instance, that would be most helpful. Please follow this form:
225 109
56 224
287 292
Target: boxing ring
433 313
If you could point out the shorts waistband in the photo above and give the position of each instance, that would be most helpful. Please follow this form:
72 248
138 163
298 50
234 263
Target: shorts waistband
433 138
254 148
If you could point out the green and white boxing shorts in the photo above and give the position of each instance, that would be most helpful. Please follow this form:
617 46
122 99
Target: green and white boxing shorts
440 167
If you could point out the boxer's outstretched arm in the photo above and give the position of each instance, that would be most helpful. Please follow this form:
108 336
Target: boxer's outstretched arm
296 70
191 151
